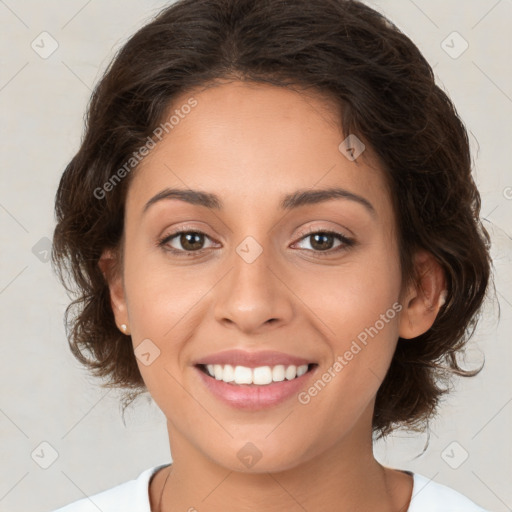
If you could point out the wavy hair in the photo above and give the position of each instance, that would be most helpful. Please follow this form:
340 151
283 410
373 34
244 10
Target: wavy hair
387 96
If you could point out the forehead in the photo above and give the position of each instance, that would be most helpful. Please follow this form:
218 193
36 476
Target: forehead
253 143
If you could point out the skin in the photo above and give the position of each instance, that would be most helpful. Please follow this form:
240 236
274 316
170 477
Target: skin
251 144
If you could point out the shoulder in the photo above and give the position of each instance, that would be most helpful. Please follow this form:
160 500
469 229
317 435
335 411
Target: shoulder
430 496
130 496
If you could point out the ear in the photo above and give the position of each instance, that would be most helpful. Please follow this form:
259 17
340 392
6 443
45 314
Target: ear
110 267
423 298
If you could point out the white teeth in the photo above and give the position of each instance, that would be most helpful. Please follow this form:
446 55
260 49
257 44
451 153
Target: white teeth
261 376
243 375
217 371
278 373
228 373
291 372
301 370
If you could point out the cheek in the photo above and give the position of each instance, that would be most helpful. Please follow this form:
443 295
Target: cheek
166 305
354 295
160 295
359 312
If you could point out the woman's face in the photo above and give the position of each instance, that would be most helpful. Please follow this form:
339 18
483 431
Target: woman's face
258 280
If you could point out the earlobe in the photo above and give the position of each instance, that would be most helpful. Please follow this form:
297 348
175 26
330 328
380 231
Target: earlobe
109 266
424 297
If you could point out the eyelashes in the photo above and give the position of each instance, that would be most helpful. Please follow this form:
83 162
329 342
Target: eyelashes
164 242
193 237
345 242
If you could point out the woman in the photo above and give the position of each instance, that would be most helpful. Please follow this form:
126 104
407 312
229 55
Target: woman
273 228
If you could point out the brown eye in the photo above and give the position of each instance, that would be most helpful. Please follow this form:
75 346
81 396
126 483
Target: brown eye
323 241
191 241
184 242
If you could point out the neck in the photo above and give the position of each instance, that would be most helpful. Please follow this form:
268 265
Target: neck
344 478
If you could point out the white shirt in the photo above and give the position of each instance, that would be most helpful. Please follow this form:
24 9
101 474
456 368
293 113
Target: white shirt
133 496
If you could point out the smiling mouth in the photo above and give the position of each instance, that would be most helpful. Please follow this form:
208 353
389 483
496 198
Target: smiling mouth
254 377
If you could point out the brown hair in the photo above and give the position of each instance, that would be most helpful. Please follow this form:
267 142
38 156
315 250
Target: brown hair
387 96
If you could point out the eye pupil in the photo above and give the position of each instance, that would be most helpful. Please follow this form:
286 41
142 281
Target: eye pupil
323 236
186 240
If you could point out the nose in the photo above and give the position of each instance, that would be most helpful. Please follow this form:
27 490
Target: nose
254 296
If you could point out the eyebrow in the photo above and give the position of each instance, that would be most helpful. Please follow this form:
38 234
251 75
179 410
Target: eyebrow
288 202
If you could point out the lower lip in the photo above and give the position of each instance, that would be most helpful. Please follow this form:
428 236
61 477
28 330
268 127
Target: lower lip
253 397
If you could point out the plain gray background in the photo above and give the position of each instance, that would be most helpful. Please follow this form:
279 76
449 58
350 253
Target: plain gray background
48 398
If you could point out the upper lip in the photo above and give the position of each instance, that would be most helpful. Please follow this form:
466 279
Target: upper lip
252 359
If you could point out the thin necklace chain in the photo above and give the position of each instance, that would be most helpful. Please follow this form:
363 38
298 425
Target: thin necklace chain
162 493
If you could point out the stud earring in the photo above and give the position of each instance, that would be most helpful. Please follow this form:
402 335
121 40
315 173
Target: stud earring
124 328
